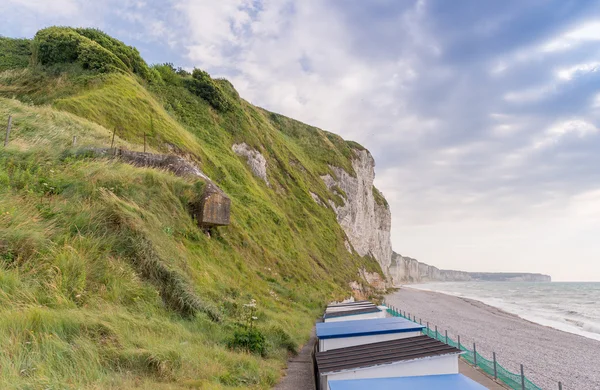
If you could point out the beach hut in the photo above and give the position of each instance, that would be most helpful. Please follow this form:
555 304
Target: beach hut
350 306
430 382
413 356
355 314
334 335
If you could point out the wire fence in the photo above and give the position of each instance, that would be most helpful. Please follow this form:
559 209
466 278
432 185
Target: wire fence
491 367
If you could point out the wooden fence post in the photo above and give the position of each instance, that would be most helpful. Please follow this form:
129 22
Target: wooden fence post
8 130
112 143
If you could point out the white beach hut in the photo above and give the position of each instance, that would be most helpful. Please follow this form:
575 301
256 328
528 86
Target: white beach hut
334 335
355 314
349 306
414 356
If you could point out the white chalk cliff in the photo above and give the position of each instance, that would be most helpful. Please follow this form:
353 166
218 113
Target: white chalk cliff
366 222
408 270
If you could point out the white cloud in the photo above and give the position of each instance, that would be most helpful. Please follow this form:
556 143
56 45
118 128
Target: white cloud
570 72
554 134
537 52
530 95
295 58
215 27
589 31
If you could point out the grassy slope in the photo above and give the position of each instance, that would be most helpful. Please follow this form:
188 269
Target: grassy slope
98 260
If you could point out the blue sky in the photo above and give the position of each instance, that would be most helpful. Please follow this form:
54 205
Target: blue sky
482 116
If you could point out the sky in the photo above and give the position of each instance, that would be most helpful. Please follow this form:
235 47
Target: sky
482 116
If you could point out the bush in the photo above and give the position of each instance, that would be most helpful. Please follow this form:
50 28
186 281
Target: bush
14 53
60 45
251 340
279 338
202 85
130 56
168 74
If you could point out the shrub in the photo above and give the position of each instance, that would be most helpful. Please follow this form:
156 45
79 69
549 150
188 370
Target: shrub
168 74
130 56
202 85
59 45
14 53
249 339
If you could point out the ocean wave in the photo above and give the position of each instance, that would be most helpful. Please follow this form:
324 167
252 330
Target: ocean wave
564 307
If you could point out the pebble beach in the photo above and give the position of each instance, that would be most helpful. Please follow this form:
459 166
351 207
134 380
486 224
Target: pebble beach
548 355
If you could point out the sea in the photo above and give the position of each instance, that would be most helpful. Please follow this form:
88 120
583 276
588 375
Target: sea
567 306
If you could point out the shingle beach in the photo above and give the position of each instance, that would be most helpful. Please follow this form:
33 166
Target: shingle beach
549 355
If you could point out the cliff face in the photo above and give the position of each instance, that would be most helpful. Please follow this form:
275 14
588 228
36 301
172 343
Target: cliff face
407 270
509 277
366 222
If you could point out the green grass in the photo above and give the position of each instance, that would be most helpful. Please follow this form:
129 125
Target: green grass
105 279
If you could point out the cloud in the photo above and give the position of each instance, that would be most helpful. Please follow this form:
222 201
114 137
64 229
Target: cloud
554 134
587 32
567 74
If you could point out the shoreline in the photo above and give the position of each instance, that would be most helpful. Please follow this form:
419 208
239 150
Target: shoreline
548 354
540 321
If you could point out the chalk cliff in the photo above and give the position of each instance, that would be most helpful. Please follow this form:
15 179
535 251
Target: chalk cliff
408 270
365 218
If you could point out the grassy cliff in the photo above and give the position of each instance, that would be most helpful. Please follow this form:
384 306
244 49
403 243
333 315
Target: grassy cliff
105 279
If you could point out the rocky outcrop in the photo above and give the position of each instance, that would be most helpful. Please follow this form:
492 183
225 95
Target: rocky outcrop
408 270
255 160
366 222
317 199
170 162
370 283
213 206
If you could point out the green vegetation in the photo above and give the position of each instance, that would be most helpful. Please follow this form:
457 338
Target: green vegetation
14 53
202 85
379 198
105 279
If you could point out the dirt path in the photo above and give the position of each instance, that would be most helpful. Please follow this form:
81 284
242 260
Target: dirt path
299 374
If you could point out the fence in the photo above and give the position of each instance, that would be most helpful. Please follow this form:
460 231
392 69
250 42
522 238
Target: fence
491 367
